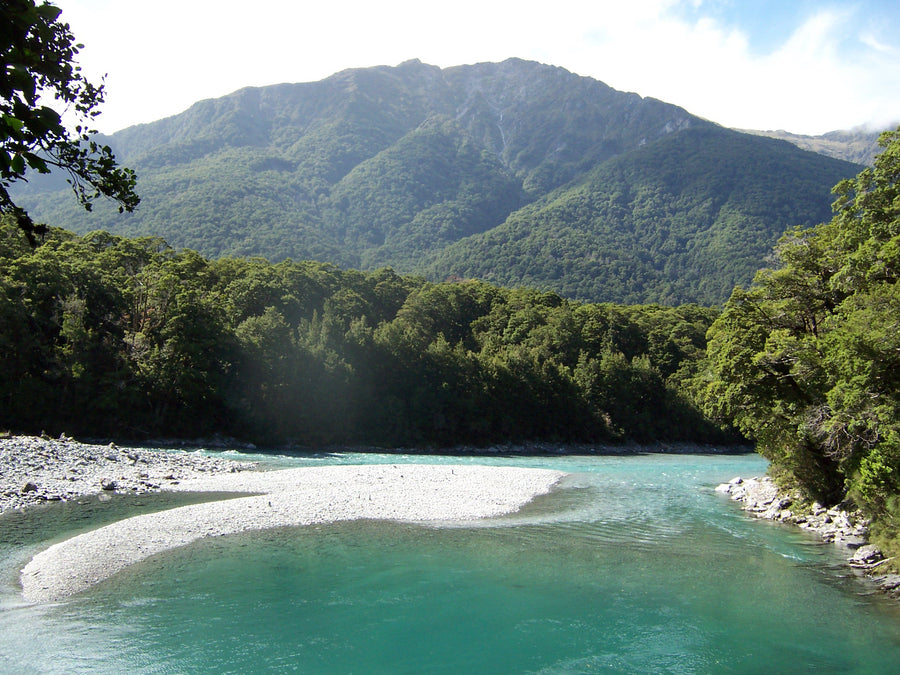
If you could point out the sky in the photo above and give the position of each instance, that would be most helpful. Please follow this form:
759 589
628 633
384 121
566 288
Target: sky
803 66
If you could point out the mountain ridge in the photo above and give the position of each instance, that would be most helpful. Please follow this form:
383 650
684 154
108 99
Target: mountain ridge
858 145
400 166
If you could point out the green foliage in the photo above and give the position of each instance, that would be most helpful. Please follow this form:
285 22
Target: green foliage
432 187
685 219
39 59
807 361
104 335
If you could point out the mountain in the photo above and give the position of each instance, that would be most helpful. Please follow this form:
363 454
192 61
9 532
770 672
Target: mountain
517 172
859 145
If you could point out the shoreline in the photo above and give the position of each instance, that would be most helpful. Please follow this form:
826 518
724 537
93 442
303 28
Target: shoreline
61 469
761 497
37 470
537 448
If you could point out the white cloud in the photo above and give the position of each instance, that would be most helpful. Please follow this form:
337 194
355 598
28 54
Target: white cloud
808 84
162 56
872 41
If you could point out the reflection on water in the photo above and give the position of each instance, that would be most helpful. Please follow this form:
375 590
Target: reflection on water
637 566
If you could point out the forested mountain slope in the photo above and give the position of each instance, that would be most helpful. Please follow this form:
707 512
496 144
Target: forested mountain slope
465 170
683 220
111 336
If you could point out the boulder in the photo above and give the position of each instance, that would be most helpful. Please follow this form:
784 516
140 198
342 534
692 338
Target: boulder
866 555
888 582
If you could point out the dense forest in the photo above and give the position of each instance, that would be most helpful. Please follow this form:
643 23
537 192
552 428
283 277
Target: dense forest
684 220
807 360
109 336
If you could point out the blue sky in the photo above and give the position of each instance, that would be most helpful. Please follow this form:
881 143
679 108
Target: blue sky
767 24
799 65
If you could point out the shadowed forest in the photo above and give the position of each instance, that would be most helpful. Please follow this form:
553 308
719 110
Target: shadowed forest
109 336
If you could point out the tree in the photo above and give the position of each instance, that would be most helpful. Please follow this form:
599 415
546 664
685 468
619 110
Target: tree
805 362
38 62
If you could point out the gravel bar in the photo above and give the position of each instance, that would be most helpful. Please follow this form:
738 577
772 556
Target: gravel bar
290 497
35 470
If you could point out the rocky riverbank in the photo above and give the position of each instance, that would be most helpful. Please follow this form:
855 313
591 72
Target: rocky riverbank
848 529
34 470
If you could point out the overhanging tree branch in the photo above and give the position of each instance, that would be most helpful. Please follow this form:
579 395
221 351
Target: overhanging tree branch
37 61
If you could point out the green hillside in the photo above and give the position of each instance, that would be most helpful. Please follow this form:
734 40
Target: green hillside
516 172
130 339
683 220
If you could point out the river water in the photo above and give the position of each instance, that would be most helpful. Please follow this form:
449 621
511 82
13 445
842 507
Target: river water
638 566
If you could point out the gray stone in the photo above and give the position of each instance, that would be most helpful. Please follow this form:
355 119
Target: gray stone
35 470
888 582
866 555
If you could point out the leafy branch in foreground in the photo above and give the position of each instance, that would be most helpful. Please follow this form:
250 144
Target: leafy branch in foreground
38 61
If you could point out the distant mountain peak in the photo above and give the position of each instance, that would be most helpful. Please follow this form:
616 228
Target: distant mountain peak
859 145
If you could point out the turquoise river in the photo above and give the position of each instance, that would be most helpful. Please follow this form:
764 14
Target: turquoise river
641 567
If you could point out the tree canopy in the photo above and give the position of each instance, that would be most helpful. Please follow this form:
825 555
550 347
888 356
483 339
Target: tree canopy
129 338
38 54
807 360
